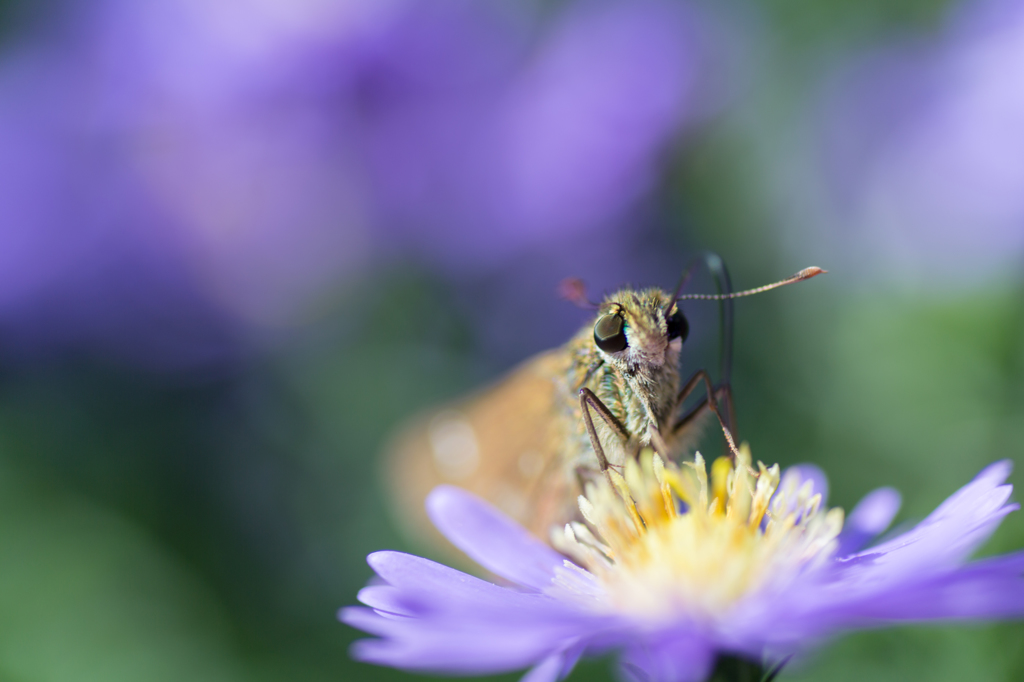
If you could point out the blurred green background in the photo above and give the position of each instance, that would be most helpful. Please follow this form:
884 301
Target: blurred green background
205 522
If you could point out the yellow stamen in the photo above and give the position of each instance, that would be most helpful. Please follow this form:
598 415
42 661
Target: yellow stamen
721 468
627 500
666 492
654 558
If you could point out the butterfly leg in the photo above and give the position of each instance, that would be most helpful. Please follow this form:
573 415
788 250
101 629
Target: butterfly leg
589 401
709 403
723 395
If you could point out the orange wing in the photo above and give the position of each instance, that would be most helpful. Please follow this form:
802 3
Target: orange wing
503 444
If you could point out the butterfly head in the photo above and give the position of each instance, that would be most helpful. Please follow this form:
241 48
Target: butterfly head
633 328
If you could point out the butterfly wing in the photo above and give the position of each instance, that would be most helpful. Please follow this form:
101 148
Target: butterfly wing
505 444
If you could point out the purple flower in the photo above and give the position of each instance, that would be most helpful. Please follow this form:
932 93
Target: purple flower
925 145
168 185
749 566
177 177
486 136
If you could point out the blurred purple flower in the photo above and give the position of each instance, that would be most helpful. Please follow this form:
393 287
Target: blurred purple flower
164 182
526 135
674 590
925 144
177 174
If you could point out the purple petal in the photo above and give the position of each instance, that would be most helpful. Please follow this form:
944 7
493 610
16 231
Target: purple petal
986 589
509 621
434 618
676 656
466 640
384 598
408 571
492 539
992 588
461 653
871 516
953 531
420 586
465 643
366 620
906 576
988 479
550 669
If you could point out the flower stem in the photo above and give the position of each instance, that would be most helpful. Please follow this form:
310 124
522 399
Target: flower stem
735 669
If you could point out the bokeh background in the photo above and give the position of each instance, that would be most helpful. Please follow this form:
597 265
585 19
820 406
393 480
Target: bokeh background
241 241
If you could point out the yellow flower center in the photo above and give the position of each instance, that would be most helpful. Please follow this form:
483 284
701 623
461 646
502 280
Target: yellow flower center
662 539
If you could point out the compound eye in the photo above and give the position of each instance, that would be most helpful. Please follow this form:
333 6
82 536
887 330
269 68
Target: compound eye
610 333
678 327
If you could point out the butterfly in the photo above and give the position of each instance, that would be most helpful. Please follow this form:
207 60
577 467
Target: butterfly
530 442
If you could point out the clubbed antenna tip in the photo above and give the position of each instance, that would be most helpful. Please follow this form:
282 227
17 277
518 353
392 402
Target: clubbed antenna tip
806 273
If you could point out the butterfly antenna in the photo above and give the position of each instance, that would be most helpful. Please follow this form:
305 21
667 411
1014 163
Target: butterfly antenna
574 290
806 273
